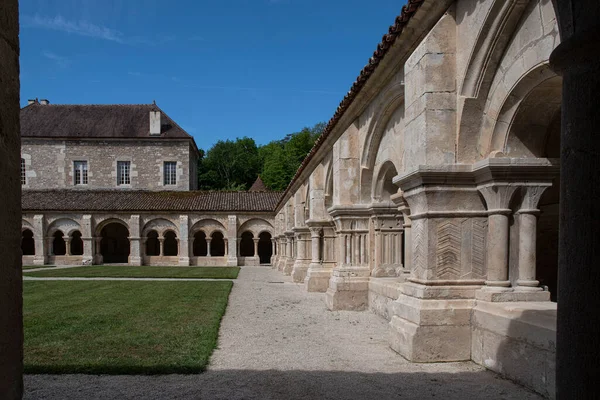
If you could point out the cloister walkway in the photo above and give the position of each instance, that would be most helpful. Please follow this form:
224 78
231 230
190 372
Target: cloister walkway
279 342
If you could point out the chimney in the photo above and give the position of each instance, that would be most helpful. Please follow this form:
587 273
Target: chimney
44 102
154 123
31 101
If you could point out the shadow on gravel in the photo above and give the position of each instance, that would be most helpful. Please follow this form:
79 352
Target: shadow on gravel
266 385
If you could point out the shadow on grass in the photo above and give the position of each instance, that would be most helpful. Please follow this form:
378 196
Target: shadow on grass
274 384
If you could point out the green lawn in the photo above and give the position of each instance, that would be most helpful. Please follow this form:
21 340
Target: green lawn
119 271
133 327
26 267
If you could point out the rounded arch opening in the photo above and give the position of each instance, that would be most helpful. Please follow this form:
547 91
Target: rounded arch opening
217 244
59 247
114 245
265 247
384 187
27 243
76 244
247 244
170 244
152 244
200 247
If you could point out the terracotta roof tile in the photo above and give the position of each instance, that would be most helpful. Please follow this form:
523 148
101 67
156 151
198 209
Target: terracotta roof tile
138 200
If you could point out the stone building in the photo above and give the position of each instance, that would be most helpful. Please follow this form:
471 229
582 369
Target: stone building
432 197
114 184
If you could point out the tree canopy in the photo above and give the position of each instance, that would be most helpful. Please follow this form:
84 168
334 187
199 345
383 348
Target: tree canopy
235 164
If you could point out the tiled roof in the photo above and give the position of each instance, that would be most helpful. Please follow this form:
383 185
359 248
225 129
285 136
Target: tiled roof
138 200
114 121
388 40
258 186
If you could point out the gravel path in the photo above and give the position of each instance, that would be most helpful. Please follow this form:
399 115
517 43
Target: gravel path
279 342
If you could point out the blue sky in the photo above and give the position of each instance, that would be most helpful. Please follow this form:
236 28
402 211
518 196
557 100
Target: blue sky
221 69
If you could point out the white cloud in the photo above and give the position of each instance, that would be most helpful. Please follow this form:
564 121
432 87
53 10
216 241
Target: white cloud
61 61
81 27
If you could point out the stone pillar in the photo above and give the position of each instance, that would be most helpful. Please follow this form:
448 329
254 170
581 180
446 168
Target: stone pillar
226 247
161 241
98 259
349 283
86 236
208 240
576 58
399 200
11 280
135 251
289 260
528 214
388 249
283 255
319 272
67 246
184 243
273 251
302 262
50 241
232 260
40 243
255 240
497 197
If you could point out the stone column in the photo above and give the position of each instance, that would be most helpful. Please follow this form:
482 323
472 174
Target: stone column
67 246
86 231
255 240
232 259
208 240
98 250
302 262
50 241
576 58
497 197
135 251
40 244
161 241
11 279
184 241
289 259
226 247
318 273
349 283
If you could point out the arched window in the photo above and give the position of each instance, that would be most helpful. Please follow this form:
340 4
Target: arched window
59 247
27 243
247 245
76 244
217 245
200 247
152 244
171 246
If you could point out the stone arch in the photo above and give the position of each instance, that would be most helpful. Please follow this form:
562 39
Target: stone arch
531 42
199 246
27 242
526 122
383 187
152 244
64 225
208 226
101 224
59 247
329 186
256 226
161 226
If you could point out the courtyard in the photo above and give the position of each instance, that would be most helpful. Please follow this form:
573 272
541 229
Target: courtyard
275 341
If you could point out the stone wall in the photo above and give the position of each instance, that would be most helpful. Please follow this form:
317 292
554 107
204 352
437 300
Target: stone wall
49 163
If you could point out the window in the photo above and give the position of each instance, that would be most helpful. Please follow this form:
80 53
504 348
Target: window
80 173
170 170
23 172
123 172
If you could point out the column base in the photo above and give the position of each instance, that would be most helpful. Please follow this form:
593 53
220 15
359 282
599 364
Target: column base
280 264
500 295
348 289
87 261
232 262
136 261
299 270
431 330
317 278
38 260
184 261
288 266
